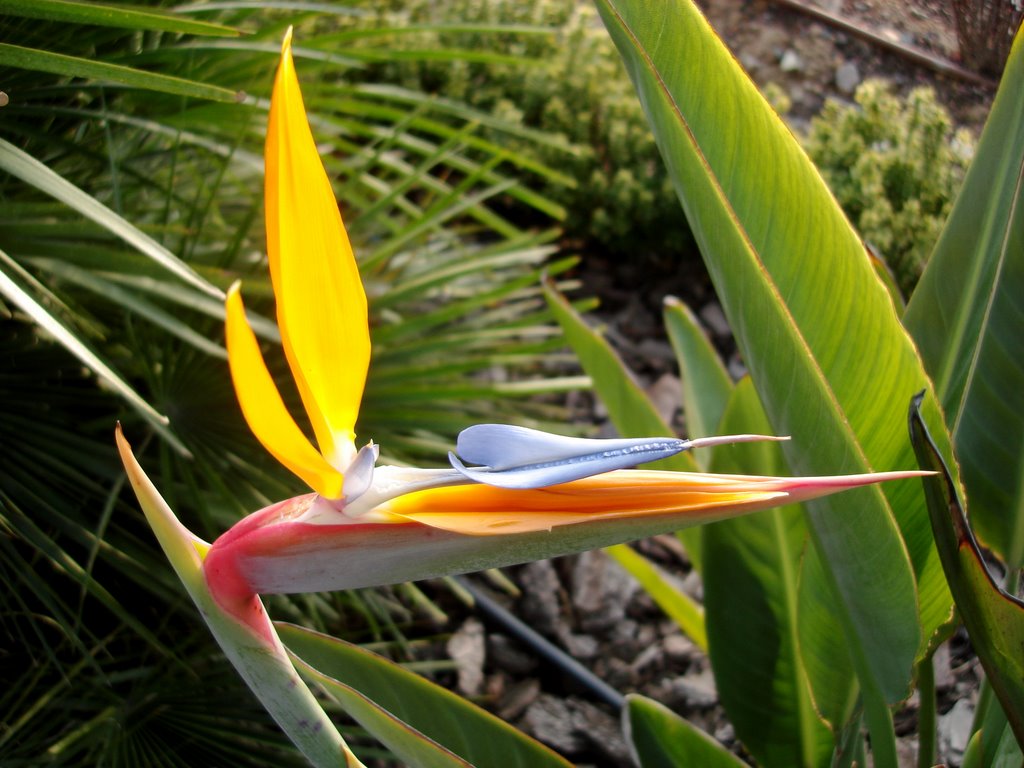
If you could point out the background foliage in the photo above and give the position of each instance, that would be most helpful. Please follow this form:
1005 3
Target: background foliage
895 166
132 146
568 84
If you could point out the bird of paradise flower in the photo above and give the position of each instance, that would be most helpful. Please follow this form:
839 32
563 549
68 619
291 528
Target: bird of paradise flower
527 494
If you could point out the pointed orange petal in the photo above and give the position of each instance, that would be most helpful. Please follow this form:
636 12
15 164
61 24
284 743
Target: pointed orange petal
264 409
480 510
321 306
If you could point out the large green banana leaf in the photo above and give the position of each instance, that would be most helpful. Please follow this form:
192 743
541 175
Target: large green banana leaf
830 360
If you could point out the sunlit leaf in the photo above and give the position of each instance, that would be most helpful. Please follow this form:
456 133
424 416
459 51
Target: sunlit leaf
20 57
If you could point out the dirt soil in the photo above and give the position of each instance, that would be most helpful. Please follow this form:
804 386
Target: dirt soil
813 60
586 605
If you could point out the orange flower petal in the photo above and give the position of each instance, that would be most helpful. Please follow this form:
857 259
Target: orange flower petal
480 510
321 306
264 409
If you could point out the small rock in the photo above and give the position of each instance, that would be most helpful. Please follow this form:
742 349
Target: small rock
906 750
848 78
540 602
467 649
517 698
649 656
725 734
889 33
549 719
647 634
791 61
506 654
574 725
623 638
657 353
797 95
944 678
737 369
713 317
697 690
678 648
618 673
602 730
601 590
693 586
580 646
750 62
666 394
954 729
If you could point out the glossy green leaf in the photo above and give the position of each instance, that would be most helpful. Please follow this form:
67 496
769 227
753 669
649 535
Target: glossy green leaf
662 739
19 57
109 16
706 383
817 329
994 618
751 586
967 316
422 723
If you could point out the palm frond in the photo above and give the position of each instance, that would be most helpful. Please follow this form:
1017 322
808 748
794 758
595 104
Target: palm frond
125 211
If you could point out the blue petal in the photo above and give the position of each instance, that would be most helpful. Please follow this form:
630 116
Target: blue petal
516 457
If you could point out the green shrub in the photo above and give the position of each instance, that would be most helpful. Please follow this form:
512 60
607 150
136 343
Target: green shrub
895 167
559 74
